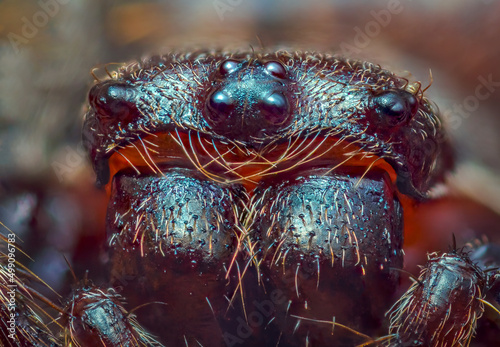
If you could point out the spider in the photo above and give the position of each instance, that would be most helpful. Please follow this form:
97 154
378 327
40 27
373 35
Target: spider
260 198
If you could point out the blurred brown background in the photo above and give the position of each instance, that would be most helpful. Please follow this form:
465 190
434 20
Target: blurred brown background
48 48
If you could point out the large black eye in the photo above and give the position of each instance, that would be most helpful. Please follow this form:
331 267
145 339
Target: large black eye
220 105
113 99
395 106
276 69
274 108
228 66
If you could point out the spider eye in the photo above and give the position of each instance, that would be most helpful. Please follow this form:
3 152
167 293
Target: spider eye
113 100
275 69
396 106
275 108
220 105
228 66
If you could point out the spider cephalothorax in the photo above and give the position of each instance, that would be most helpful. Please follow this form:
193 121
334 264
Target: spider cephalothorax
249 168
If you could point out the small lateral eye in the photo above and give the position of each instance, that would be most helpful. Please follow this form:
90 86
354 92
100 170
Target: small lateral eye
113 99
397 106
275 69
228 66
220 106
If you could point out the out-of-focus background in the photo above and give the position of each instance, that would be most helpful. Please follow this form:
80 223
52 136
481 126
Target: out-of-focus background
49 47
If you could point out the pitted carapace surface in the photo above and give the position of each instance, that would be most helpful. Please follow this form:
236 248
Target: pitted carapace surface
259 195
254 101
